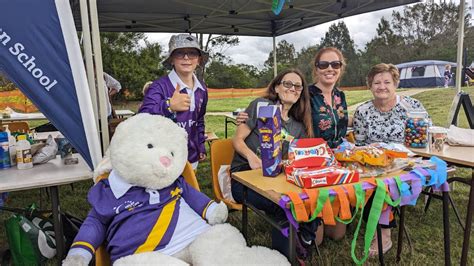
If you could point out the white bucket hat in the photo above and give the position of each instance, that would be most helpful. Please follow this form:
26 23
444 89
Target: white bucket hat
183 41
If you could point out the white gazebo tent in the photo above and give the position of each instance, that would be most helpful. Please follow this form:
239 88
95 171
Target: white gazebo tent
226 17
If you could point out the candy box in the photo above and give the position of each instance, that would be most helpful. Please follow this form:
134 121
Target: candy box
312 177
269 129
312 152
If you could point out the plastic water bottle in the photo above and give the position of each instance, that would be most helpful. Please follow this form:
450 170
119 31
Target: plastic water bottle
11 146
23 153
4 151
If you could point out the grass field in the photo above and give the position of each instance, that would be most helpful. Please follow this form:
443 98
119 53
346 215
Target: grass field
426 229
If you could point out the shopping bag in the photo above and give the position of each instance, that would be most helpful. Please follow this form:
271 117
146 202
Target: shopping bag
31 241
71 225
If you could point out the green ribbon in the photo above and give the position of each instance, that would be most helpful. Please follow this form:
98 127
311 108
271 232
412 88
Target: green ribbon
373 220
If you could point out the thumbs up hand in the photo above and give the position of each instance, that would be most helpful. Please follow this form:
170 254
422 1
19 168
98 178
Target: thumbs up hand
179 102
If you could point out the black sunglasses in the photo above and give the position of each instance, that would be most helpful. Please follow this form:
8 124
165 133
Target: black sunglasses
192 54
288 84
326 64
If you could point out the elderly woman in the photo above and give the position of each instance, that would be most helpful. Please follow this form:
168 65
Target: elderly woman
287 89
383 120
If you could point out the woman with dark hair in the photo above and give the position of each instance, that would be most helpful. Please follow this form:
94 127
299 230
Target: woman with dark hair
288 90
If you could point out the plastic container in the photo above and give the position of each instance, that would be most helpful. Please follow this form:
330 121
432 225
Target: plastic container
4 151
11 146
437 138
23 153
416 129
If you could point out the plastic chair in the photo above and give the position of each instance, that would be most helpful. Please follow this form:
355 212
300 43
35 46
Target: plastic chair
222 152
102 258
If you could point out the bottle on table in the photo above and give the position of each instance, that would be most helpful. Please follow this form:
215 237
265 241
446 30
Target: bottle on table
4 151
23 153
11 145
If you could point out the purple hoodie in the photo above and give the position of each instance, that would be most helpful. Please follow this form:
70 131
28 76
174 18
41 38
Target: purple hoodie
156 101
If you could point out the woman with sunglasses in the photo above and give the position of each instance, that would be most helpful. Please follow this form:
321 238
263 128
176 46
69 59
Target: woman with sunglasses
289 91
329 109
328 103
180 95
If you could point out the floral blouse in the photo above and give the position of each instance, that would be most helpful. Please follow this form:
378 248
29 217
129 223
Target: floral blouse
329 122
372 125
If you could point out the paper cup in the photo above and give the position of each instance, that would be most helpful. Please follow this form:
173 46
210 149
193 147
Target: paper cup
437 138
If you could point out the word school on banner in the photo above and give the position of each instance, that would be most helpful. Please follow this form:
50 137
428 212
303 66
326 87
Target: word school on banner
27 61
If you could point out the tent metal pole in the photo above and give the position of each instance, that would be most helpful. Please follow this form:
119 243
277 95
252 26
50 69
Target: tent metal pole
88 56
459 68
275 67
101 91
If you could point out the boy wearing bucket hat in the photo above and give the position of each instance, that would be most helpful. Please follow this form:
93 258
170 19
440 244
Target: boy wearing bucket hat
180 95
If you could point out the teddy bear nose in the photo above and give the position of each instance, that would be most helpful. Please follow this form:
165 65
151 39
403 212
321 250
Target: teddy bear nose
165 161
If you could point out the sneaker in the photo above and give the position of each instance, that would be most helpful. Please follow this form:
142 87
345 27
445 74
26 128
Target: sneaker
386 243
303 249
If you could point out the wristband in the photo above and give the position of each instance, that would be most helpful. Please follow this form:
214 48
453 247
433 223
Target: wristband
168 107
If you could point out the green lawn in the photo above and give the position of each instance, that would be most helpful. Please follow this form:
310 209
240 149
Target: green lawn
426 229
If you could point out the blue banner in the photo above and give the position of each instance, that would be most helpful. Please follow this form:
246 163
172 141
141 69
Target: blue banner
39 52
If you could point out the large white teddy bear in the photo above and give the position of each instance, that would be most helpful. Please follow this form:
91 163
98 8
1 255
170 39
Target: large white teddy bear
145 213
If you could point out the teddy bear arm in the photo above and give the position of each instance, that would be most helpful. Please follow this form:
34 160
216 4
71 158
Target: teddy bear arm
90 236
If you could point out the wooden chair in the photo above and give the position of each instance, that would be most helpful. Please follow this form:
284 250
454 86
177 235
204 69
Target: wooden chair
222 153
19 126
102 258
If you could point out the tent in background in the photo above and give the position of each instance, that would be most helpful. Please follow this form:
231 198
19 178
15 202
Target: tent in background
39 52
424 73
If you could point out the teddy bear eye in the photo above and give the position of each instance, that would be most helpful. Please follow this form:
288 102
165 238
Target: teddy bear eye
150 146
172 154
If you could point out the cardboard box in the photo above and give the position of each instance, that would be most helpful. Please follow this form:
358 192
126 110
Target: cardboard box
320 177
269 129
311 152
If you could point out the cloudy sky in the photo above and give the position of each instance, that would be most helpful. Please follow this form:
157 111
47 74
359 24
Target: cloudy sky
255 50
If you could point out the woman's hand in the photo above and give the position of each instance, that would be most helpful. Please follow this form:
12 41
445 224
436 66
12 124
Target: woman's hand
241 118
254 162
202 157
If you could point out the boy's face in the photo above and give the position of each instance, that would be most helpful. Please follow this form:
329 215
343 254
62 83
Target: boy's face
185 60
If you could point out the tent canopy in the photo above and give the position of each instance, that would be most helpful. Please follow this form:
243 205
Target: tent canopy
423 73
234 17
425 63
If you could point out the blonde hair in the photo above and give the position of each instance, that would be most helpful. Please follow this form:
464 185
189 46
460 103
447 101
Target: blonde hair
382 68
146 86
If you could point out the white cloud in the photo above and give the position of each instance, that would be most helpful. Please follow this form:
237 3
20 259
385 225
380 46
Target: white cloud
255 50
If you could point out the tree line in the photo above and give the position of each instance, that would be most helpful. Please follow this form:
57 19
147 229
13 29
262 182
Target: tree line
421 31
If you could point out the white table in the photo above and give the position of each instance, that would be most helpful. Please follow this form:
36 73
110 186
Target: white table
49 175
39 116
43 136
124 113
464 157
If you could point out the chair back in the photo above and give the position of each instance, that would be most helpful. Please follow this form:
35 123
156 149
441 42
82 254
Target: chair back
190 176
18 126
102 258
222 152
